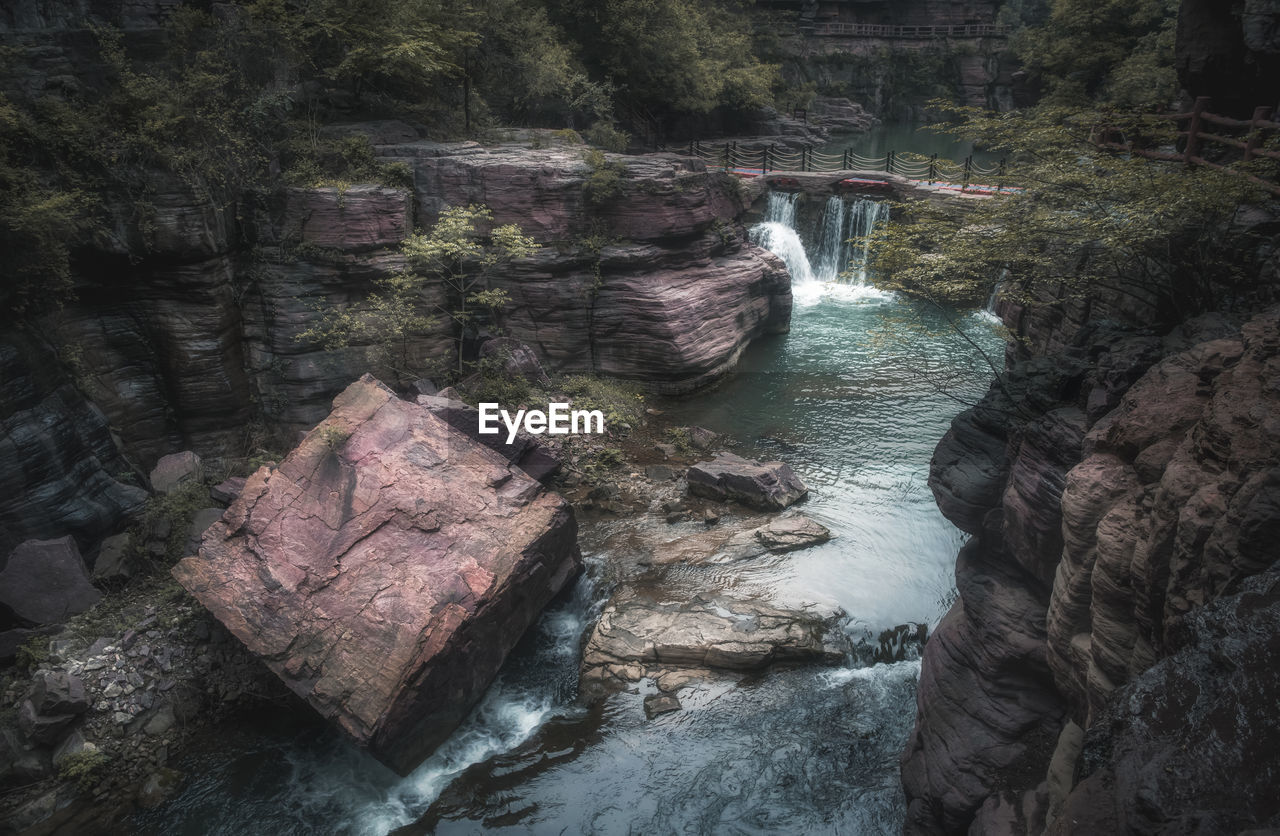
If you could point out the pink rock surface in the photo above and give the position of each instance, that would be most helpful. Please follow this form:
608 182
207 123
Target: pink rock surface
385 569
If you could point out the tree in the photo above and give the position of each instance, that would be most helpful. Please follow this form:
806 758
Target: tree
1099 49
674 55
1087 220
464 258
458 253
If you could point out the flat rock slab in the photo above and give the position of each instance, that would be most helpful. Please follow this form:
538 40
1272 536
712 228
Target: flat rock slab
770 486
638 634
743 540
45 582
385 569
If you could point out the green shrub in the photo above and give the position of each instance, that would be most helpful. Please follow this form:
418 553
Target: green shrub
604 178
83 768
622 403
607 136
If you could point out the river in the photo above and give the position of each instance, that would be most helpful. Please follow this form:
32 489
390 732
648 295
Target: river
854 398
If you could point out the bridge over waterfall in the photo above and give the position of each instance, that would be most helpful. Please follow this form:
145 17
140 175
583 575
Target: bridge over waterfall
966 176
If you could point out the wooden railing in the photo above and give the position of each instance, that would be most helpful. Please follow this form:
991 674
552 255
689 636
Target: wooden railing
876 30
1201 130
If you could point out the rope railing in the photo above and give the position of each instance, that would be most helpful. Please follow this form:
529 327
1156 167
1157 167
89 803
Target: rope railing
770 159
876 30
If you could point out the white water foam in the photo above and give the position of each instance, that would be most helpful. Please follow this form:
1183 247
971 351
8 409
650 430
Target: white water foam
843 240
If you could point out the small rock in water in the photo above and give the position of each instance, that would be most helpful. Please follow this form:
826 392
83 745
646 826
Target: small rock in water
710 517
769 486
658 704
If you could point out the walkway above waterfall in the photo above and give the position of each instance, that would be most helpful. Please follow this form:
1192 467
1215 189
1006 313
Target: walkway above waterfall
892 172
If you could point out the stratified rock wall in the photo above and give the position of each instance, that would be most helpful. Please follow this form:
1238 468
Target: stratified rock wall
1115 488
185 336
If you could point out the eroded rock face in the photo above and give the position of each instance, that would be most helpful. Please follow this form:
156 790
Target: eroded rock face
1190 745
384 570
60 470
659 285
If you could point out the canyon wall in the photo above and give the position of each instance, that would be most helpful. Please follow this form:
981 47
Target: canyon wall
1108 665
188 326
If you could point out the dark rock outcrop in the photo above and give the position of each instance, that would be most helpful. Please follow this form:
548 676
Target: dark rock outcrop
45 582
384 570
769 486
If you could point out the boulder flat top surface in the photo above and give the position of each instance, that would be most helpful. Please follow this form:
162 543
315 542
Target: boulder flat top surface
385 569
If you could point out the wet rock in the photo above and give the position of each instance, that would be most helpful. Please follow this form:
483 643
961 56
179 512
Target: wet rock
765 485
175 471
701 438
637 631
227 491
390 576
113 564
658 704
45 582
791 533
742 539
159 787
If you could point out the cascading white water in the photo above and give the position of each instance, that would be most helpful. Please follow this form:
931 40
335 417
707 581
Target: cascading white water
842 247
864 217
777 234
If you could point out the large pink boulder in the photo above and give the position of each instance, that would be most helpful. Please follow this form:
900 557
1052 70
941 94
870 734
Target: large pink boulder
385 569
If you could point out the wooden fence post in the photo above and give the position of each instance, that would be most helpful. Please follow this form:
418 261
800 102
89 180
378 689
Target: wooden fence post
1193 130
1262 113
933 169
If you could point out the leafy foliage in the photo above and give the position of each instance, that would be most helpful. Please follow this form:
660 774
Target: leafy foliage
1087 220
1120 51
677 55
458 252
604 180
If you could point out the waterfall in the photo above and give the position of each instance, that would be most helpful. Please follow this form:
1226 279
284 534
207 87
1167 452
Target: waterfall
841 244
777 234
864 217
844 239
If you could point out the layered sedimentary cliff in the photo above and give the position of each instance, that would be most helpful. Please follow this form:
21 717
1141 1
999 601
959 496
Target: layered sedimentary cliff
198 337
1109 651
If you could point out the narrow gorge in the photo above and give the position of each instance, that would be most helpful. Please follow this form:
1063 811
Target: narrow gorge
935 350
